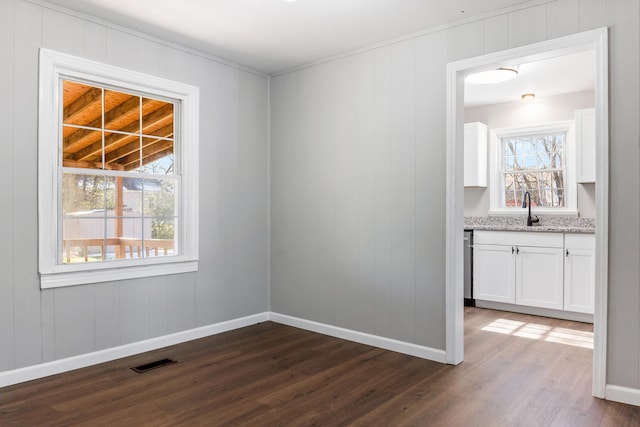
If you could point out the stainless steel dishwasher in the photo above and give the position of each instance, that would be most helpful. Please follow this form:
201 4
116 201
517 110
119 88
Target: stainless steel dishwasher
468 269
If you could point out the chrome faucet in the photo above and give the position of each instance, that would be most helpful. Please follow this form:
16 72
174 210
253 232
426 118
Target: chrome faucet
530 221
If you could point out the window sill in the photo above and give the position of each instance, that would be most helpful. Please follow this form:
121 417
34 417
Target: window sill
113 273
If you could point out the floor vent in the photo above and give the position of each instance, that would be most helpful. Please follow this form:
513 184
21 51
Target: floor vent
153 365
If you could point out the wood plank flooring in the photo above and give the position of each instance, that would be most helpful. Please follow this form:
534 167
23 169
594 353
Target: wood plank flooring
515 374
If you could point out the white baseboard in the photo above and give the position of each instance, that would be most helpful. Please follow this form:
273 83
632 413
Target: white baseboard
42 370
361 337
630 396
76 362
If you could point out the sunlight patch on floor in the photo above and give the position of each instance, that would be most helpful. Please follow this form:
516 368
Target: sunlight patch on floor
541 332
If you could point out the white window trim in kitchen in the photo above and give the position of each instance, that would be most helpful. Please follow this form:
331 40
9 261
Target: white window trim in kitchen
55 67
496 190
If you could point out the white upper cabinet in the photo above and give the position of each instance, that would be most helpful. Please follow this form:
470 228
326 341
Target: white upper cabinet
475 154
585 145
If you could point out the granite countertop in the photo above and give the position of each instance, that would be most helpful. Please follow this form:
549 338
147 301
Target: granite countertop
546 224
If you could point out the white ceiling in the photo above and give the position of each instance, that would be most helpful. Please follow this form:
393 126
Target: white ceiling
563 74
276 35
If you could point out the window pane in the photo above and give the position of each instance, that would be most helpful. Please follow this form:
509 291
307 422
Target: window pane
122 152
159 198
162 235
160 216
157 118
132 196
86 194
82 148
124 237
121 111
82 104
540 160
157 156
83 237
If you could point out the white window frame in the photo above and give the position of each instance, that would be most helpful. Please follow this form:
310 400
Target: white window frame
496 184
54 67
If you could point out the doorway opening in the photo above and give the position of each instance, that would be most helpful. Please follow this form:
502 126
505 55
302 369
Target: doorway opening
588 43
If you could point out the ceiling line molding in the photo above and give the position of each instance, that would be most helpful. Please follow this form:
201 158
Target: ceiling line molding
136 33
416 34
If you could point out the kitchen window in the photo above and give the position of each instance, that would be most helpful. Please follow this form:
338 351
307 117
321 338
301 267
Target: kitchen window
537 159
118 168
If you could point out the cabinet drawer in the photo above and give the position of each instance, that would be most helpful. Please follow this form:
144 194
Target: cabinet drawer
523 238
580 241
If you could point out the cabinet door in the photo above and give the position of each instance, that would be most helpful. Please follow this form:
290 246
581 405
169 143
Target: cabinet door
579 273
493 273
539 276
475 154
585 145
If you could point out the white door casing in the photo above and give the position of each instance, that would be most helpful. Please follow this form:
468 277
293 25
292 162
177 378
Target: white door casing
596 40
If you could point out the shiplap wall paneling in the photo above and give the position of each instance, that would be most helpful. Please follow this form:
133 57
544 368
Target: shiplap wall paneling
61 32
496 33
106 296
135 309
7 73
364 138
563 18
225 162
180 311
252 189
464 41
319 192
403 190
67 330
528 26
159 305
382 152
94 41
593 14
431 59
154 59
74 321
624 227
284 122
27 308
347 166
107 315
207 76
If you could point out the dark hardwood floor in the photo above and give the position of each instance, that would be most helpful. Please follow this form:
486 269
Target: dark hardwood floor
519 370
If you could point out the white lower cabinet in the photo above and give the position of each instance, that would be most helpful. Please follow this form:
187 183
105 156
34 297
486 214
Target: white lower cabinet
493 273
539 277
535 269
579 273
519 268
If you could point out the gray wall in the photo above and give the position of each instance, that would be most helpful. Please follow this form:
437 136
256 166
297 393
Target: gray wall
513 114
358 178
38 326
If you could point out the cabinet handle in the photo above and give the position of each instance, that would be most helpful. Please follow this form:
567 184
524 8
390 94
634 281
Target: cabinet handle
517 250
513 250
567 253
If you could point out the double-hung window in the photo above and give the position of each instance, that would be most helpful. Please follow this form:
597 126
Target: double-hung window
538 160
118 168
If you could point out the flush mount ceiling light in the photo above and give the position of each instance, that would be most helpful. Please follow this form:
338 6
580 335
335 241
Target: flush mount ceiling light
528 96
489 77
